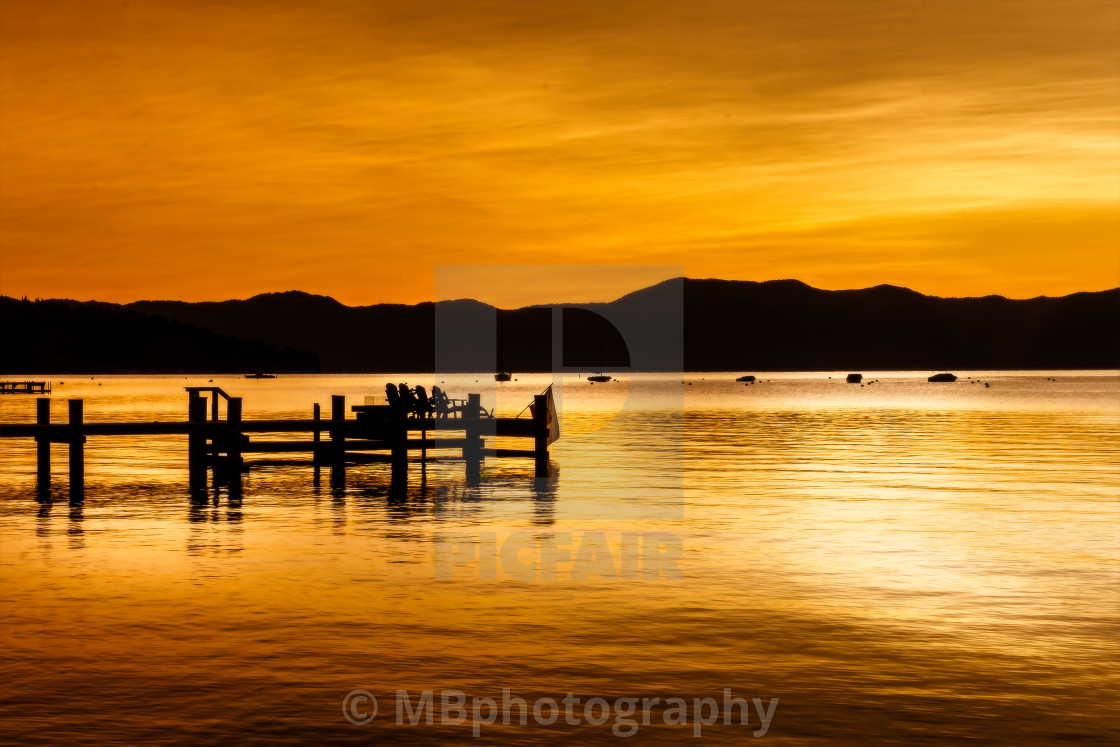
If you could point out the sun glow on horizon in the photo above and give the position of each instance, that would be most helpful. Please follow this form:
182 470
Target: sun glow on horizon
160 150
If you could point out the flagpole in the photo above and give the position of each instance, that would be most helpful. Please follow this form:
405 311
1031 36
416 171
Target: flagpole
526 407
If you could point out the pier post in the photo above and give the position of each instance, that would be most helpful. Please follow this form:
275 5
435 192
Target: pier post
472 451
196 443
338 438
234 462
398 449
338 441
540 434
316 453
43 444
398 439
77 450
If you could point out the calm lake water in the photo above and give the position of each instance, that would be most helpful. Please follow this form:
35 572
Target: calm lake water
897 563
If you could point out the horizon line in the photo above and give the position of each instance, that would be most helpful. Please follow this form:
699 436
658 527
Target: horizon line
551 303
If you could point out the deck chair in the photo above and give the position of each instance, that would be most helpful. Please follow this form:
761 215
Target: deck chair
424 406
391 395
408 399
440 406
444 407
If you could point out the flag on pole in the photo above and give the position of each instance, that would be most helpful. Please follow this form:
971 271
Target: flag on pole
553 420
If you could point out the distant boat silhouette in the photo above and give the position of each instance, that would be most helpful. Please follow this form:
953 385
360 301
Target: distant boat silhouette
260 376
854 378
748 377
942 377
502 374
599 376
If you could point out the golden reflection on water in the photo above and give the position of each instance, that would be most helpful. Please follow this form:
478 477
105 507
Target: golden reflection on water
897 563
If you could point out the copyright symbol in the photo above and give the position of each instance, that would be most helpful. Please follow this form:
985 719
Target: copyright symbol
359 707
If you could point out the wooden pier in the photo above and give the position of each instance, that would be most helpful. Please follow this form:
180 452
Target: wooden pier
25 387
217 446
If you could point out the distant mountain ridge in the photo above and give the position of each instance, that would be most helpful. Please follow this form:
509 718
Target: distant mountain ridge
794 326
728 325
63 336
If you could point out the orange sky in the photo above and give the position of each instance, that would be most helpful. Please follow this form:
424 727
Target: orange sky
205 150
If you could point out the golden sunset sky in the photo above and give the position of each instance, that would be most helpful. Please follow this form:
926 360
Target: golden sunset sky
203 150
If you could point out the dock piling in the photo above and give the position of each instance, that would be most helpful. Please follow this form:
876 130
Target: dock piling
316 451
338 437
338 441
196 443
472 448
43 444
398 438
540 434
77 449
233 456
316 415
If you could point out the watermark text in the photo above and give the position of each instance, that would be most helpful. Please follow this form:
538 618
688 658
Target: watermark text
625 716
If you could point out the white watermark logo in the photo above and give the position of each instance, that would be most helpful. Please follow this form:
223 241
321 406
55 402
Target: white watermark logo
456 708
551 556
359 707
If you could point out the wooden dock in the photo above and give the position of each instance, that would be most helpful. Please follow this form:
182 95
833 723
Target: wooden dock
217 446
25 387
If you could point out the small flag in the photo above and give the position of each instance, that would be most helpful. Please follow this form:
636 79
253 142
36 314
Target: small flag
553 420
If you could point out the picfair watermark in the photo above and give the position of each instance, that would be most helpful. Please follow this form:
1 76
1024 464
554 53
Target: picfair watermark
552 556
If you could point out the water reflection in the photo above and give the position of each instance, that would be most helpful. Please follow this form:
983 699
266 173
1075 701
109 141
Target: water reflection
215 523
895 568
74 531
43 515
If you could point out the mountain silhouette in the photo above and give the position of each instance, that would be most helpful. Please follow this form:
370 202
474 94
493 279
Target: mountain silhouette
788 325
62 336
727 325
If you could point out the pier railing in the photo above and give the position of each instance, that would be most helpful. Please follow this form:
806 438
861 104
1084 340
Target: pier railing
25 387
